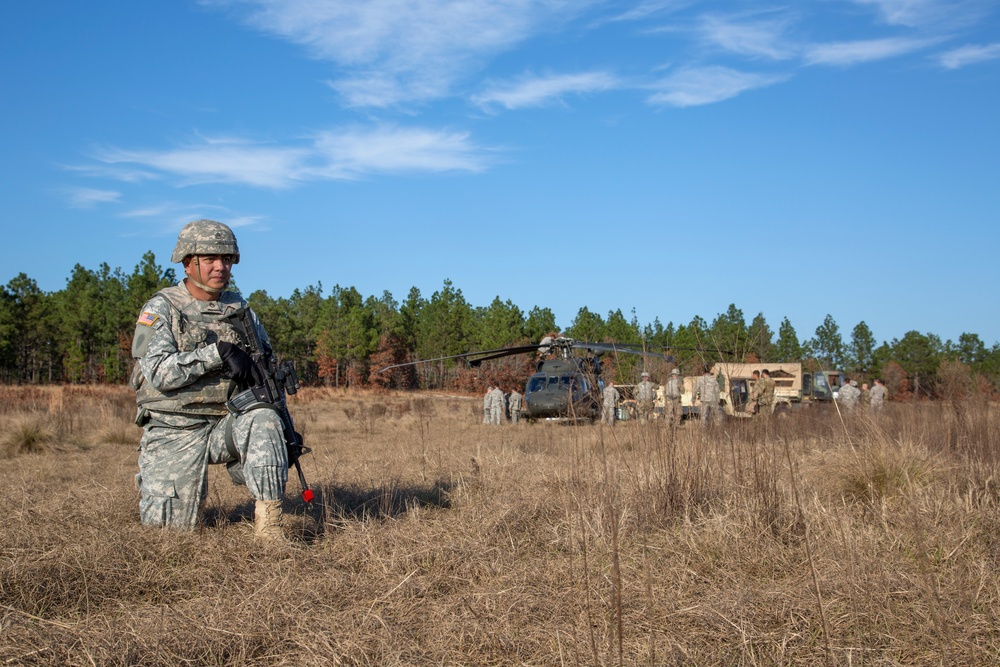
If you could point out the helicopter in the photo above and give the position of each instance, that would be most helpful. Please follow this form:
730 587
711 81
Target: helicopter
564 387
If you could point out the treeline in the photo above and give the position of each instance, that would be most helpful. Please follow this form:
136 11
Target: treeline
83 334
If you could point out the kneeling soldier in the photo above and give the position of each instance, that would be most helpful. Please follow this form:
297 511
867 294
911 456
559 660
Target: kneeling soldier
189 362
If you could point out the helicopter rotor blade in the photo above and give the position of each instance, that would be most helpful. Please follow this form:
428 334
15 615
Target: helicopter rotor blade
603 348
475 358
506 352
703 349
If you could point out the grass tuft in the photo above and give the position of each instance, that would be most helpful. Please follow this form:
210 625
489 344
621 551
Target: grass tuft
27 434
883 473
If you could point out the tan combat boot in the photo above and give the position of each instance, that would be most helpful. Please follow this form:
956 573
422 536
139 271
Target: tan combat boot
267 521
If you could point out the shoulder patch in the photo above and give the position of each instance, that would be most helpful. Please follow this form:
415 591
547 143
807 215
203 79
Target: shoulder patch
147 318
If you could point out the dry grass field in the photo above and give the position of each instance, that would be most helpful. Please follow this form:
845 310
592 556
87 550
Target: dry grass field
810 539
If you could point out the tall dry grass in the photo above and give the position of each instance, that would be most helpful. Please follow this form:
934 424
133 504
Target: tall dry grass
813 538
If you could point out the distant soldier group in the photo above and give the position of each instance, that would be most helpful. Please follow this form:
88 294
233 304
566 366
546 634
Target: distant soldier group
645 399
851 398
499 408
496 405
761 400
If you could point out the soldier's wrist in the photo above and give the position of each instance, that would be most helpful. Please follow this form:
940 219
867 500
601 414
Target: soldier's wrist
214 360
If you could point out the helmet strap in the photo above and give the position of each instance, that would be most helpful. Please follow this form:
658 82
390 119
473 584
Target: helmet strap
213 292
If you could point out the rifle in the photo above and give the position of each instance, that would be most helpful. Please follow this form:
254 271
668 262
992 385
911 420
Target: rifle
271 381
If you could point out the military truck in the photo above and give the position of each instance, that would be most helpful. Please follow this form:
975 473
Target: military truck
792 387
835 379
688 408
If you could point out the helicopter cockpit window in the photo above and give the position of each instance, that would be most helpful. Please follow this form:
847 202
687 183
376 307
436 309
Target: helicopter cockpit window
536 383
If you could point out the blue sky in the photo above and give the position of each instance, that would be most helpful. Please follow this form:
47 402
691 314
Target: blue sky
667 157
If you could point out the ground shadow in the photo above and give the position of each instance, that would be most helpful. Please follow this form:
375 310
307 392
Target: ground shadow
334 504
383 502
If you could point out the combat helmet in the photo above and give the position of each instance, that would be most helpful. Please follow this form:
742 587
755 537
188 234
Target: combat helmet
205 237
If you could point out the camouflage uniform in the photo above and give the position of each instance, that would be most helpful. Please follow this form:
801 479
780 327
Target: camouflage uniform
765 395
706 388
487 398
877 394
849 395
672 392
496 407
610 398
753 399
515 406
181 392
645 392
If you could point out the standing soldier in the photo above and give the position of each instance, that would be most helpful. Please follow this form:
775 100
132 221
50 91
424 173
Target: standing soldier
189 359
515 406
610 402
878 394
672 392
849 395
645 392
496 405
706 388
765 399
753 400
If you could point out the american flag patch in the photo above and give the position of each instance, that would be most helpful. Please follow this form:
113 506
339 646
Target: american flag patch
148 318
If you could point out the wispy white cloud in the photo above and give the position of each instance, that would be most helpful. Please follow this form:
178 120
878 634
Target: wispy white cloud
390 53
535 91
862 51
969 55
330 155
178 211
119 173
754 37
705 85
250 164
938 14
651 8
393 51
168 217
146 211
90 197
351 153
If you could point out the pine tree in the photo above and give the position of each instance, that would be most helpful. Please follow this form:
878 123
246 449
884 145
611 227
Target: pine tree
919 356
619 330
827 346
540 323
759 337
443 330
787 349
860 353
728 335
500 325
587 326
34 347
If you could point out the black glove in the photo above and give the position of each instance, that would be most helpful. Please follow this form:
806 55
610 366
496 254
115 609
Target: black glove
236 363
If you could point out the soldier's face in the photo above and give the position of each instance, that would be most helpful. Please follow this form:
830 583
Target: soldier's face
211 270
